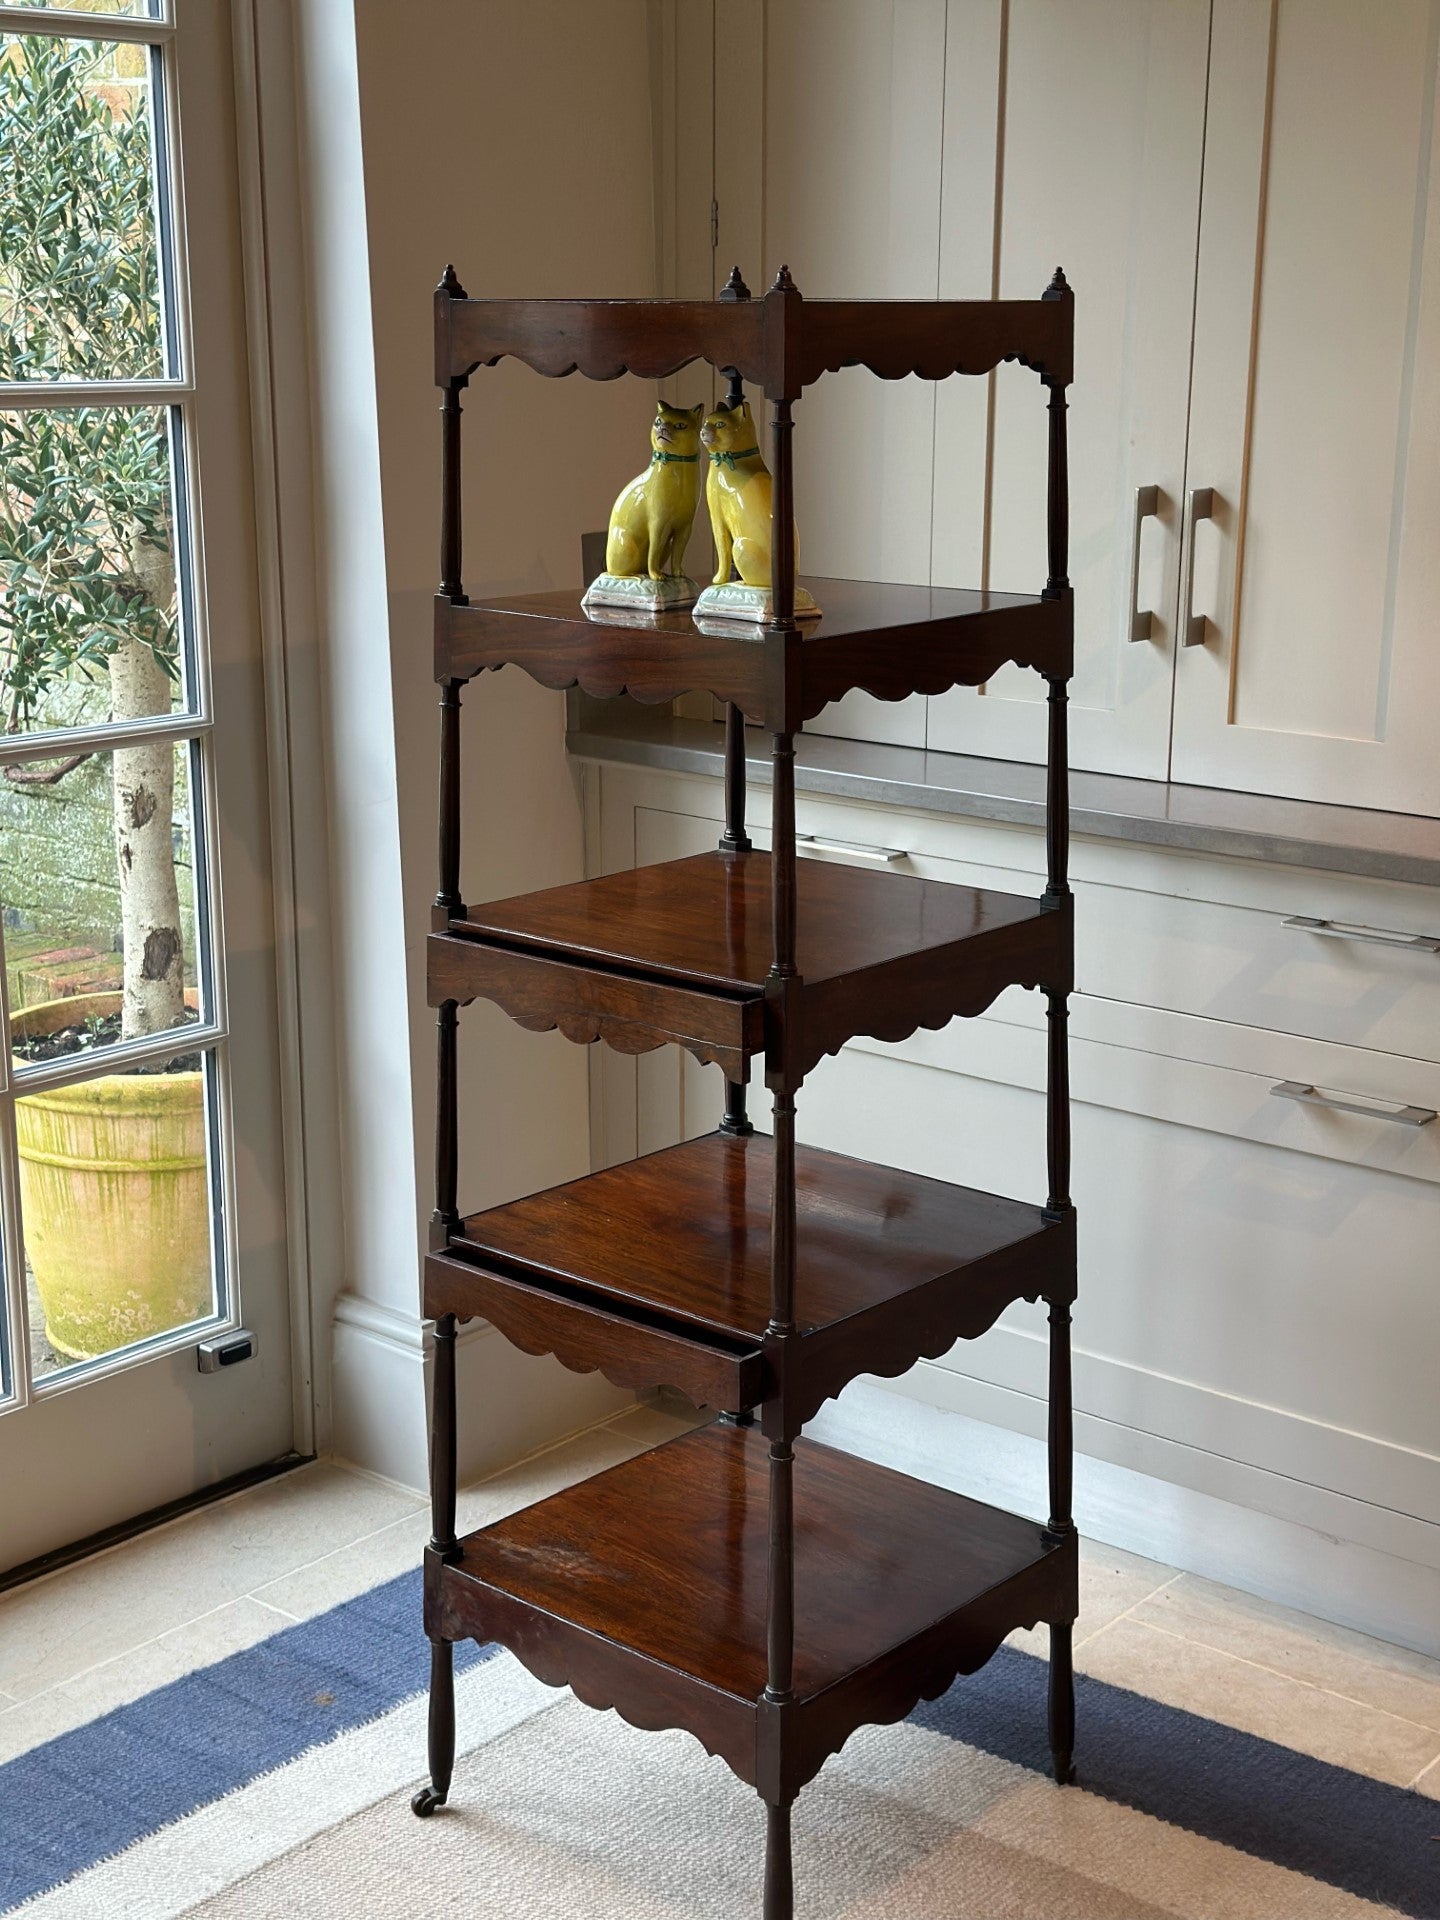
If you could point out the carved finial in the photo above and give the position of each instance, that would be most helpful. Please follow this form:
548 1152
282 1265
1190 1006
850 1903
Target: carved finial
450 283
735 287
783 282
1058 287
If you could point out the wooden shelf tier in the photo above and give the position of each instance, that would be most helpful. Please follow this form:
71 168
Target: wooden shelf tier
657 1272
887 640
644 1588
679 951
782 342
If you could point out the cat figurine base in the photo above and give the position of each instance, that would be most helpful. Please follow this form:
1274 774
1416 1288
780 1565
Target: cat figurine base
639 593
736 601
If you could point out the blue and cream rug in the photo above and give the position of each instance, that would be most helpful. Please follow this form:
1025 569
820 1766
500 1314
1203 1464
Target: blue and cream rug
275 1786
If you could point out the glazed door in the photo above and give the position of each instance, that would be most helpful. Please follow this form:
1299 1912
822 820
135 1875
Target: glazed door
140 1162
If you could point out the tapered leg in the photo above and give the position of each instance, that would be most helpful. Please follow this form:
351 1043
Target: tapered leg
442 1545
442 1729
1062 1703
1061 1523
779 1878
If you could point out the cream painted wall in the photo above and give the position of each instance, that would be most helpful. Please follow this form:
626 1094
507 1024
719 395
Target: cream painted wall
515 142
355 1070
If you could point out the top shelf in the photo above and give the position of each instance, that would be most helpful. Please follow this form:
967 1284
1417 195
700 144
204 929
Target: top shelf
781 343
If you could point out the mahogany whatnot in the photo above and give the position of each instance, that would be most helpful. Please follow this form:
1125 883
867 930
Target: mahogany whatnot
767 1594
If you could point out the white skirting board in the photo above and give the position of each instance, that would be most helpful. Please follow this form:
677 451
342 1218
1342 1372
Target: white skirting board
921 1430
510 1404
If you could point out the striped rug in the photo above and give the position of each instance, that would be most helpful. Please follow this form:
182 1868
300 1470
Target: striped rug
274 1785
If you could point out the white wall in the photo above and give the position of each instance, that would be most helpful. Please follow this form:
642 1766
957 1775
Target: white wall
515 142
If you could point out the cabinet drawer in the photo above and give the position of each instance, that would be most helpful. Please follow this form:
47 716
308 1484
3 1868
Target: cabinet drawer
1206 1075
1333 958
1306 965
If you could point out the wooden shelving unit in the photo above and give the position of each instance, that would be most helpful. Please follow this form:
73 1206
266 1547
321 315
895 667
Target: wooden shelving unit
767 1594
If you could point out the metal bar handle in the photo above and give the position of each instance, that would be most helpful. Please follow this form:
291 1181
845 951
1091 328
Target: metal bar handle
887 855
1311 1097
1373 936
1201 506
1147 505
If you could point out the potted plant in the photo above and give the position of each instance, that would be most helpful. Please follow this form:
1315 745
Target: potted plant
113 1186
112 1169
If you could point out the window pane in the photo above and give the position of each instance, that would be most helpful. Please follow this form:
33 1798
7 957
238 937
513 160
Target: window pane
117 1209
98 885
90 626
146 9
79 266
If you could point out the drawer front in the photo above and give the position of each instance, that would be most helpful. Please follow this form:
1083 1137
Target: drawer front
1305 965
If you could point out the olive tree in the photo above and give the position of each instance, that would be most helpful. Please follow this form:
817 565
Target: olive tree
87 570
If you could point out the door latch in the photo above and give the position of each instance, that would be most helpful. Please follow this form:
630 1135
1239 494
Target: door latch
225 1350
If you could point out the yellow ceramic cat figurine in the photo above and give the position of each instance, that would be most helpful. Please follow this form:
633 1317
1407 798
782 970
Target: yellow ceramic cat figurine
738 493
650 523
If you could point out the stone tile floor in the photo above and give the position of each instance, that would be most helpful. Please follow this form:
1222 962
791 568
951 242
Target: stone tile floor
95 1635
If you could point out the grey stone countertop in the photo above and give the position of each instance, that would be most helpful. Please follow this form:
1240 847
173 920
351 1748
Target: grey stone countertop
1247 826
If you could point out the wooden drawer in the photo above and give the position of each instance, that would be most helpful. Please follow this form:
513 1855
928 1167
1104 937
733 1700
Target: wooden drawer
1293 951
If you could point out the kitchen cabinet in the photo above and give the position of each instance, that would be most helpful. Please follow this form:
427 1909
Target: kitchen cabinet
1315 409
1246 196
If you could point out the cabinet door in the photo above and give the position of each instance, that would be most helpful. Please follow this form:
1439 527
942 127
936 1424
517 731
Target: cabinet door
847 118
1315 409
1091 162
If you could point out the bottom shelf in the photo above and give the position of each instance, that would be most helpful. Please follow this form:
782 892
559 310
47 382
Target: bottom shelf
644 1590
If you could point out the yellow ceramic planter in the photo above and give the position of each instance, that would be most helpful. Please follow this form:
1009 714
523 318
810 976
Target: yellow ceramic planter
113 1185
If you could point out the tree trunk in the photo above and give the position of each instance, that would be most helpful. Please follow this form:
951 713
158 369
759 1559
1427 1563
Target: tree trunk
144 795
